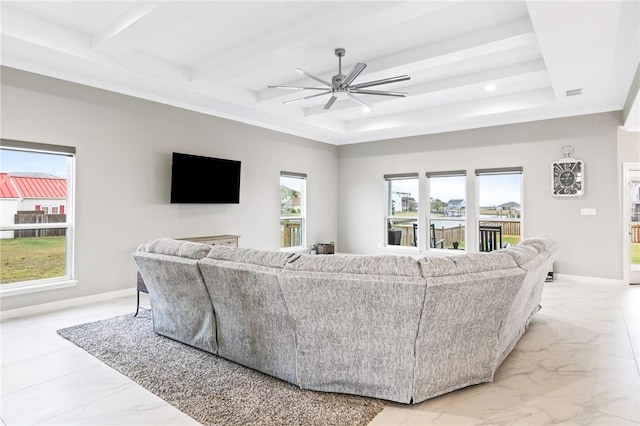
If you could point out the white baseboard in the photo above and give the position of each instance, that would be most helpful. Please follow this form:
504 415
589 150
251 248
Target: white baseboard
51 306
589 280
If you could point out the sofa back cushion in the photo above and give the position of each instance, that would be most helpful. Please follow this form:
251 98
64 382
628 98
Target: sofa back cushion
542 243
368 265
254 327
271 259
180 302
521 254
358 311
170 247
466 264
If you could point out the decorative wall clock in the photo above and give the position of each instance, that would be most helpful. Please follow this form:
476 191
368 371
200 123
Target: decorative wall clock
567 175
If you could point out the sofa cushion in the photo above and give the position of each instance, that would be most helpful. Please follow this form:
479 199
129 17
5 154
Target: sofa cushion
521 253
466 264
272 259
540 243
370 265
170 247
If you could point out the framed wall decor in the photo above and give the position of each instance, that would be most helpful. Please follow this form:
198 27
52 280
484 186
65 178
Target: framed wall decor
567 175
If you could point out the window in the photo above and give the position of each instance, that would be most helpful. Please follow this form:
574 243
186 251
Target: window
402 209
36 246
499 207
292 209
448 209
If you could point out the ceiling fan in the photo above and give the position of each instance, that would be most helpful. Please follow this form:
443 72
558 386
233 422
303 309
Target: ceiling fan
341 87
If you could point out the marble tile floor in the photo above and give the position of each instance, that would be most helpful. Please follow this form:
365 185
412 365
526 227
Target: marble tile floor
578 364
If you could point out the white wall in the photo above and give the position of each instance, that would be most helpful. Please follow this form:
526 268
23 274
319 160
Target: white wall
8 210
589 245
123 161
628 146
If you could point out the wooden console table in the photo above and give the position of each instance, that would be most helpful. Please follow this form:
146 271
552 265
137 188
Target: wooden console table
213 240
216 240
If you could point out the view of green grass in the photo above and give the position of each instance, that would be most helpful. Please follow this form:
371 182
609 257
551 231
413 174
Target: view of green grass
635 253
36 258
511 239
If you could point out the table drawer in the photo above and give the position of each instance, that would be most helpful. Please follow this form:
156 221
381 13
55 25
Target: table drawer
231 242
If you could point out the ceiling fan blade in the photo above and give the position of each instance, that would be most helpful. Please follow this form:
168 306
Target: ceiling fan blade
330 102
361 101
297 87
307 97
379 92
383 81
318 79
355 72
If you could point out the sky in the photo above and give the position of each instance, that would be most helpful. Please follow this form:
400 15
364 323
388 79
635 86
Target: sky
32 162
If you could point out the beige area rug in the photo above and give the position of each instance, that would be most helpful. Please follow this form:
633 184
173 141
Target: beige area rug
210 389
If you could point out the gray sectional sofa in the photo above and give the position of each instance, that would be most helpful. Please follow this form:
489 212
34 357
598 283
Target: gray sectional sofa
388 327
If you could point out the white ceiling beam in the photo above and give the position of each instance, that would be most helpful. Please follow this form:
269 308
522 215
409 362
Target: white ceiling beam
155 68
458 111
52 40
24 26
285 43
141 22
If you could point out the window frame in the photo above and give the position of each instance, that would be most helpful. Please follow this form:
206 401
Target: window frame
516 170
388 178
303 210
465 221
68 279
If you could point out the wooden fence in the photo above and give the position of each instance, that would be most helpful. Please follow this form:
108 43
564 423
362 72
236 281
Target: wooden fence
456 233
31 216
449 235
508 227
635 233
290 235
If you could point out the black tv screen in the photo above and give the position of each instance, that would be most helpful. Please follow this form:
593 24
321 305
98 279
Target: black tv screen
197 179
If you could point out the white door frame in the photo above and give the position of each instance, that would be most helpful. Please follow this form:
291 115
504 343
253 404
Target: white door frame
627 167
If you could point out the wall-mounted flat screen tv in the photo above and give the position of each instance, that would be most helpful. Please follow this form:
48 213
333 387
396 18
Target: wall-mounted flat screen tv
201 180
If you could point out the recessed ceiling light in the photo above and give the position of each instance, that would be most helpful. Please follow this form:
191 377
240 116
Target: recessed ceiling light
366 109
490 87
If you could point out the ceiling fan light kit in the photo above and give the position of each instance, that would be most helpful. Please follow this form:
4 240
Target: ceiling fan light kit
341 87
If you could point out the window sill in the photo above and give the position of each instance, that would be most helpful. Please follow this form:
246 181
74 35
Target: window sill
298 250
399 251
443 252
8 290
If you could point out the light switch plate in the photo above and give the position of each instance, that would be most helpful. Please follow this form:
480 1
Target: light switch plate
588 212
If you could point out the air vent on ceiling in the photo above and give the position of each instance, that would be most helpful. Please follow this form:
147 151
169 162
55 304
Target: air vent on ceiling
574 92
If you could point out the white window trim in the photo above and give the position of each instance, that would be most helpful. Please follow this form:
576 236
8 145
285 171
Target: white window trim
34 286
465 221
303 213
388 215
63 281
498 171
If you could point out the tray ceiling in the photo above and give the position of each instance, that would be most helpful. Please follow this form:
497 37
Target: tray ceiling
472 63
